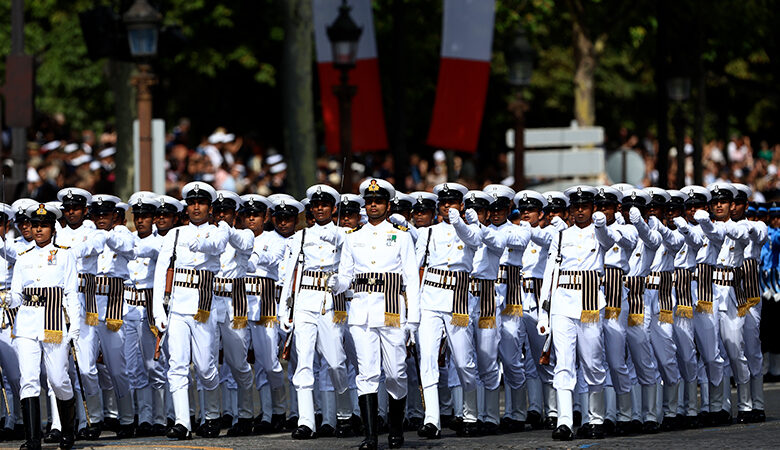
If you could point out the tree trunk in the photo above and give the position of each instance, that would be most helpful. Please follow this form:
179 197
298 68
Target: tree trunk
297 95
585 56
119 74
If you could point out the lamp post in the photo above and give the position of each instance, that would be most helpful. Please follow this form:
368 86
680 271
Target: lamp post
520 61
678 89
344 35
143 25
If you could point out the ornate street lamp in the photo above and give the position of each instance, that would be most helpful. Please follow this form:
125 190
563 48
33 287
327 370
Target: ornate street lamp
344 35
520 62
143 28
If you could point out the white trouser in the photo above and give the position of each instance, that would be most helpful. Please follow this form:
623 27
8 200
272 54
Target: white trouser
460 341
10 365
55 361
752 329
317 331
265 342
87 349
576 341
156 370
707 332
235 345
380 349
615 344
732 334
536 343
686 348
638 338
136 369
414 396
665 349
112 344
487 341
510 349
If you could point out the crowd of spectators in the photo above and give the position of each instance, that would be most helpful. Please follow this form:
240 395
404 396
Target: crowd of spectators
59 157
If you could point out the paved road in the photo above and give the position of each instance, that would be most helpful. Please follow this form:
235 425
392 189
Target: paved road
765 435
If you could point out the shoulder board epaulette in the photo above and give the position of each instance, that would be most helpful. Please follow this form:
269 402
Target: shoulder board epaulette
400 227
64 247
354 229
27 250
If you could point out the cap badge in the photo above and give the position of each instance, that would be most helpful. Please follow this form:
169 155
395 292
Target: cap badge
419 199
525 197
549 198
196 188
601 192
251 201
41 210
162 201
579 190
100 201
220 197
716 189
281 204
70 194
345 201
374 187
319 190
445 188
139 202
633 195
690 193
495 196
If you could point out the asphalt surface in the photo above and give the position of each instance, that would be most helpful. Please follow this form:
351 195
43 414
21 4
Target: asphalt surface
764 435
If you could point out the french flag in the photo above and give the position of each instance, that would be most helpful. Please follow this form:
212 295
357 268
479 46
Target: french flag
463 74
368 119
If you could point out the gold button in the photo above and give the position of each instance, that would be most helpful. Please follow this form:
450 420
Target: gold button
373 262
373 247
320 246
449 245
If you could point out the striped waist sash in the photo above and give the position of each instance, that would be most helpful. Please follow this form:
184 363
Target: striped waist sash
512 276
234 289
613 291
704 294
88 287
636 300
751 282
265 289
486 291
683 278
587 281
113 288
49 298
662 282
458 282
142 298
391 285
203 281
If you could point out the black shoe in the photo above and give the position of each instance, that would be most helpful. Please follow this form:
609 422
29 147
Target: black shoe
94 431
743 417
179 432
534 419
622 428
111 424
577 418
456 424
195 424
7 434
343 428
291 423
126 431
326 431
210 428
317 421
303 432
381 425
429 431
242 427
635 427
81 435
469 429
369 412
757 416
357 425
690 422
144 429
54 436
488 429
67 411
31 413
414 423
550 423
722 418
669 424
584 431
158 429
446 421
395 422
262 427
563 433
650 427
277 422
226 421
609 428
510 425
596 432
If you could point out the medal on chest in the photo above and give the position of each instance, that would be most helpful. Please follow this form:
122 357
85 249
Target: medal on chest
52 259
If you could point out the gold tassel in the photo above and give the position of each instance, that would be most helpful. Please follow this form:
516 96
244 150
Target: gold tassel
685 311
91 319
512 310
52 337
460 320
391 319
267 321
743 309
114 324
240 322
154 330
202 316
704 307
634 320
487 322
754 301
341 317
666 316
611 312
589 316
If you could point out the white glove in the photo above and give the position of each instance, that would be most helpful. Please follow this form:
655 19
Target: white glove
161 323
329 235
680 223
411 330
599 219
542 327
526 224
558 223
619 218
333 281
195 245
653 222
73 332
454 216
285 324
701 216
397 219
472 217
634 215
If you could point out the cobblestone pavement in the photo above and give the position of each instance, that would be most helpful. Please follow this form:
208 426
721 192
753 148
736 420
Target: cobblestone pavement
765 435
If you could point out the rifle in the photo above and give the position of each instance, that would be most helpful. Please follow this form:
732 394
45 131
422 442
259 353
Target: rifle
297 273
425 258
78 372
168 291
547 348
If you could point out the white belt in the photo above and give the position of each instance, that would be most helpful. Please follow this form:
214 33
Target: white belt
722 276
223 287
444 279
653 279
569 279
185 278
314 281
528 283
102 289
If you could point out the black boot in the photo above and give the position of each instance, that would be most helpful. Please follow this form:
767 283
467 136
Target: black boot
369 412
395 418
31 413
67 410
